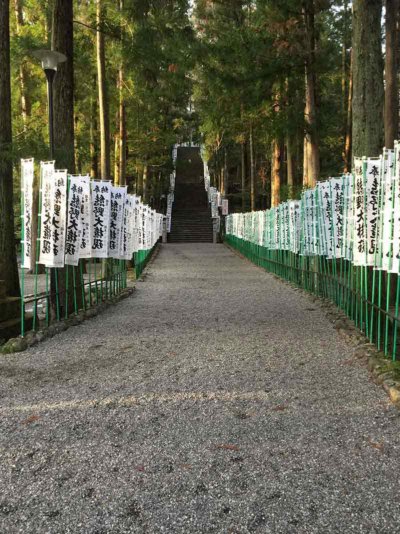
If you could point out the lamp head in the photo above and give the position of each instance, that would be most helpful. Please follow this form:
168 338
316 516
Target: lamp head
49 58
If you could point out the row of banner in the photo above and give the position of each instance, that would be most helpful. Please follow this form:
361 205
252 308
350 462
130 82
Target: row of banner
355 217
82 218
214 196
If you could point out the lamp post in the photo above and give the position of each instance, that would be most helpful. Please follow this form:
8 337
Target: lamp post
50 60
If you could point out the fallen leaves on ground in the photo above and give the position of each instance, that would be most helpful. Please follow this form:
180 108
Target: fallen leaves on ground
280 408
30 419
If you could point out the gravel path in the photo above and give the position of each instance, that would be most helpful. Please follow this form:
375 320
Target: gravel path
215 400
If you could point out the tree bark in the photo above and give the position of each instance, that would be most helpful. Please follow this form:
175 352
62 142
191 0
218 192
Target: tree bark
311 144
289 166
23 72
62 41
243 171
275 174
94 145
348 136
8 259
145 171
122 119
252 185
391 74
368 97
64 146
105 167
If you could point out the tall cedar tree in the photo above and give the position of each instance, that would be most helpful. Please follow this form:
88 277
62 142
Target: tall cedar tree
391 73
8 261
367 66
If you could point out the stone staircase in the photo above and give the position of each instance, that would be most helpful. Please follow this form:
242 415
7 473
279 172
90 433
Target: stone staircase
191 213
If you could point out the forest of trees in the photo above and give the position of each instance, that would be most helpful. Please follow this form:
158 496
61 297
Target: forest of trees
280 93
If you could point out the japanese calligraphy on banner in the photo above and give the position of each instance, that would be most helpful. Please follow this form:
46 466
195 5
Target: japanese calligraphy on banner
326 219
395 234
385 255
294 225
85 248
117 204
348 218
354 217
225 206
100 220
53 216
372 190
74 232
27 176
359 242
337 188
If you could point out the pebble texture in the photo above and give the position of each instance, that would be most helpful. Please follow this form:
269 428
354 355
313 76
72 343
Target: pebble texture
216 399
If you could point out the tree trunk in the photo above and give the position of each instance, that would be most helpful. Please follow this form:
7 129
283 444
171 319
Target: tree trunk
391 74
289 167
368 97
275 173
8 259
62 41
105 167
243 171
94 145
224 188
122 119
64 146
23 73
116 154
311 145
348 137
145 169
252 188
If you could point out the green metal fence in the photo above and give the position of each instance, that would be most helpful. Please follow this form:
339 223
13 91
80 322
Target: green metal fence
369 297
60 293
141 259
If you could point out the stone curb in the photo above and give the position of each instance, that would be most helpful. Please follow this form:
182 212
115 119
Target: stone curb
19 344
383 370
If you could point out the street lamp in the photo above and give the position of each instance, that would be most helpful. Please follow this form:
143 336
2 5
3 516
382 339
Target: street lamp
50 60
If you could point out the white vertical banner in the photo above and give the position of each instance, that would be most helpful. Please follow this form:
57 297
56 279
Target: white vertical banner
85 248
325 213
53 216
46 182
337 196
27 176
135 222
372 190
117 206
101 199
130 224
395 268
73 238
225 206
359 205
125 228
348 215
388 201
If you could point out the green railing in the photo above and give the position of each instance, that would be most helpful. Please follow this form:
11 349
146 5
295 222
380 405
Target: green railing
369 297
141 259
59 293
